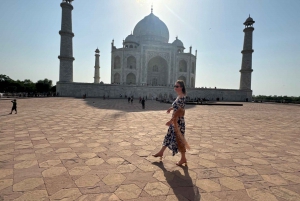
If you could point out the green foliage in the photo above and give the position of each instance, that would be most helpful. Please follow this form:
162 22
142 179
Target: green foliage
9 85
43 86
278 99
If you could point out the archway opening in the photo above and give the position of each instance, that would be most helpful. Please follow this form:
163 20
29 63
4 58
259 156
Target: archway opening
131 62
182 66
157 72
117 62
130 79
117 78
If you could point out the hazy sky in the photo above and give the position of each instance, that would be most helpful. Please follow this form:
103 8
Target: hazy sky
30 43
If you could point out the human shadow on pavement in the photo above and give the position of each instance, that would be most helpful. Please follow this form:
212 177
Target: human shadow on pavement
182 185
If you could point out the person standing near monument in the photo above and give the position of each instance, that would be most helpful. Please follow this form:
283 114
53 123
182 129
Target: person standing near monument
143 103
174 138
14 107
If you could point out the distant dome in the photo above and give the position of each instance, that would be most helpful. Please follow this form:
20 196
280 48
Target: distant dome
151 28
178 43
249 21
131 39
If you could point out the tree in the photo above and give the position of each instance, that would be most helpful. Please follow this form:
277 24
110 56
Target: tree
53 89
5 82
43 86
29 86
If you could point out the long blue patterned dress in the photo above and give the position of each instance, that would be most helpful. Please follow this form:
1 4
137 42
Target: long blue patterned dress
170 138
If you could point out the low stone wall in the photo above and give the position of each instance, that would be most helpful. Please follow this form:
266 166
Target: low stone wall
76 89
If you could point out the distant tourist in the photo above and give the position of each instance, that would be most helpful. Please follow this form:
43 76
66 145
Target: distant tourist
143 103
14 107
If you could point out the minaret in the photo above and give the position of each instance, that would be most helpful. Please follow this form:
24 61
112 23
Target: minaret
97 67
66 48
246 69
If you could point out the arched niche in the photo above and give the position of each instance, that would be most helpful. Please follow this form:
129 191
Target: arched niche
117 78
117 62
154 82
130 79
182 66
157 70
131 62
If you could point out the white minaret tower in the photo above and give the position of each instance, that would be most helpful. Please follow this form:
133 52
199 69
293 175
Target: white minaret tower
66 48
97 67
246 69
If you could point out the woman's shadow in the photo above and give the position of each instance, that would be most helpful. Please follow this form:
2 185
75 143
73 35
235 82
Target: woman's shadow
182 185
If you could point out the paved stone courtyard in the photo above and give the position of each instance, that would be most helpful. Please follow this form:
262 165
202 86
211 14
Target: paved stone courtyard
94 149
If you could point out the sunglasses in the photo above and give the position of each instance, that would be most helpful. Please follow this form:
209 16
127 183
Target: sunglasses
176 86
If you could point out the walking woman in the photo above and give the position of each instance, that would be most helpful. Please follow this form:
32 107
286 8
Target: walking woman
174 139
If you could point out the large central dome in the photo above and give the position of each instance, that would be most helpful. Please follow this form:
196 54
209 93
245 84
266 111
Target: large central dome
151 28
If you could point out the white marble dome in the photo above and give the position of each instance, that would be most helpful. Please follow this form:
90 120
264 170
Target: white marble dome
151 28
178 43
131 39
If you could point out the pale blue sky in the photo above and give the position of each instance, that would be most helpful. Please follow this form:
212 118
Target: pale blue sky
29 39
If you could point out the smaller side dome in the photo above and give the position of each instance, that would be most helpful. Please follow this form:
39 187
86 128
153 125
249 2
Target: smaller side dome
249 21
178 43
131 39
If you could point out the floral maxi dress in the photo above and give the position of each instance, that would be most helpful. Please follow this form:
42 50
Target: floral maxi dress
170 138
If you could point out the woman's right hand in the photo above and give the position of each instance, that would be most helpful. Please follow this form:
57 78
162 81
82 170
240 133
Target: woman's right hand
169 110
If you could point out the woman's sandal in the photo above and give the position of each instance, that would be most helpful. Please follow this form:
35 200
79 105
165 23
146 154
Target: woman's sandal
182 163
157 155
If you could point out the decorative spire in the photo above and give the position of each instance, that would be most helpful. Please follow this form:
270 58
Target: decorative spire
152 8
68 1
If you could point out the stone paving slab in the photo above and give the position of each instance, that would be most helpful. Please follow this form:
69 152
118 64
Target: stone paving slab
95 149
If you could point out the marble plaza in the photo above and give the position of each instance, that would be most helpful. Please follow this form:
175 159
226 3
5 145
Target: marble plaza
95 149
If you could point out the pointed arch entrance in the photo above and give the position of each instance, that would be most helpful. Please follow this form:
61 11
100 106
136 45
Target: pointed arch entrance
157 71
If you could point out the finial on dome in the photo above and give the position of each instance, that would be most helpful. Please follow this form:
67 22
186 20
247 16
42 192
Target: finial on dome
176 37
152 8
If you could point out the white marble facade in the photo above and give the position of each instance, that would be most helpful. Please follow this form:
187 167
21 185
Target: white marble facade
147 65
160 92
147 58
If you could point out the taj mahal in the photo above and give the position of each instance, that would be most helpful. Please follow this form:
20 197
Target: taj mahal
147 64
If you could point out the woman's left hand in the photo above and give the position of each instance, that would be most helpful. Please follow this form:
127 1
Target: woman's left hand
168 123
